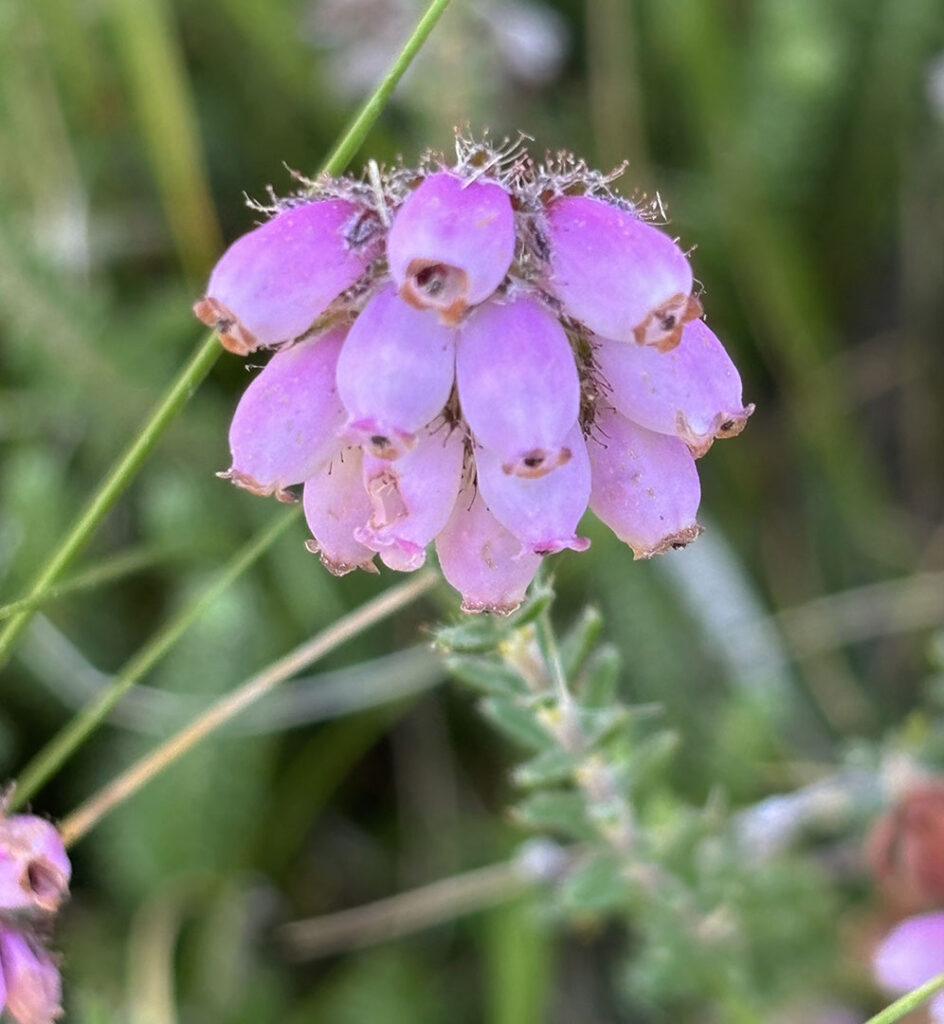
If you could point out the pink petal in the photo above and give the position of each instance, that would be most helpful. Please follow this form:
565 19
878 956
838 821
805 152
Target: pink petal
272 284
336 504
541 512
34 866
482 560
911 954
285 426
451 244
34 990
645 485
412 498
395 374
518 385
694 391
618 275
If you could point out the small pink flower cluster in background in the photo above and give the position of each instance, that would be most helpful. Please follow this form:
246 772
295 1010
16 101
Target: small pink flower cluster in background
34 880
471 355
906 853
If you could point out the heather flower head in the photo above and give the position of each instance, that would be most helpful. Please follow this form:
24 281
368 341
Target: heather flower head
471 352
34 880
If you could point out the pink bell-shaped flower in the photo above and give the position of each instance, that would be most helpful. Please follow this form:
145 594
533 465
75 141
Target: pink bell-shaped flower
412 498
694 391
482 559
644 485
395 374
451 244
274 282
31 979
542 512
621 277
911 954
518 385
336 504
34 866
285 426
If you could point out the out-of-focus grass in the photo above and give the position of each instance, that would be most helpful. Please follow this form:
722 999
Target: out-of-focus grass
797 144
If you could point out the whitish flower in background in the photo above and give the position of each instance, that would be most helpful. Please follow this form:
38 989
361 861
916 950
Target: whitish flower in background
34 880
472 353
911 954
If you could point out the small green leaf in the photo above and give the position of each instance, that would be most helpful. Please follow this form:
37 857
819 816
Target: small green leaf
548 768
597 884
555 810
471 636
598 682
577 645
516 722
486 674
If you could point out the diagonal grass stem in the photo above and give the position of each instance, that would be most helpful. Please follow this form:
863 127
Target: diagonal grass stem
61 747
114 484
908 1002
139 774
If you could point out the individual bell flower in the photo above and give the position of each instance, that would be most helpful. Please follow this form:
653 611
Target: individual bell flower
34 866
412 498
693 391
911 954
33 989
483 560
644 485
273 283
395 373
542 512
451 244
285 426
518 385
336 504
621 277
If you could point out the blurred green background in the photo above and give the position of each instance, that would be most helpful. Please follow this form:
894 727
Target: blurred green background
799 143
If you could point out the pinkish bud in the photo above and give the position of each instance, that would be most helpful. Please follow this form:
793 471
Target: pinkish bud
621 277
34 867
644 485
482 560
541 512
412 498
395 374
272 284
451 244
911 954
285 426
694 391
518 385
33 987
336 504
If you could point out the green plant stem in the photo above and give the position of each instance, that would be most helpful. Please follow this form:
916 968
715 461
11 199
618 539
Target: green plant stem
54 754
911 1001
357 130
114 484
78 823
203 359
106 571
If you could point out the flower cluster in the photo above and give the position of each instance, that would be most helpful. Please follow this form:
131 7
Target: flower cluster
34 880
472 354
